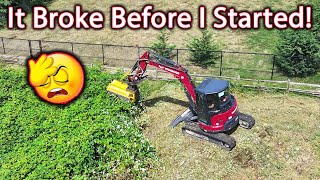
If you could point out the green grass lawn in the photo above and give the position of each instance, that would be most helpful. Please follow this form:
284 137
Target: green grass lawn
284 143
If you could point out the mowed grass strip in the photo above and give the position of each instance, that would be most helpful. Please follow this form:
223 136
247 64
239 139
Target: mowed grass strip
284 143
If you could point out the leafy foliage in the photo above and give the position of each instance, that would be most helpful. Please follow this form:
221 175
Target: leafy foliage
25 5
298 53
203 50
161 46
316 18
3 10
94 136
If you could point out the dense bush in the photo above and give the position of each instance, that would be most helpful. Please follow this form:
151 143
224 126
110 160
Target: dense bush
25 5
94 136
299 50
161 45
203 50
3 10
298 53
316 18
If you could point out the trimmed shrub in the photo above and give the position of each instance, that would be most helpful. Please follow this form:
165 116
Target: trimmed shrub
203 50
94 136
161 45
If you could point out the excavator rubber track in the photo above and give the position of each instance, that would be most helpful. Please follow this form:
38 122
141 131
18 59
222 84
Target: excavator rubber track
246 121
221 139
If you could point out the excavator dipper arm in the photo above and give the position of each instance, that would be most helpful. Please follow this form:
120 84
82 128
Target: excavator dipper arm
164 64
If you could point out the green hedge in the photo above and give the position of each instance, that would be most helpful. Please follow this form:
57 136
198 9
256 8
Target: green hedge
94 136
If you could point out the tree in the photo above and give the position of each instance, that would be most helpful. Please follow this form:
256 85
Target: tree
316 18
298 53
203 50
3 11
299 50
161 45
25 5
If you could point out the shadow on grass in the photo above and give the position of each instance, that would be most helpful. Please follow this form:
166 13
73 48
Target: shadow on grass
152 102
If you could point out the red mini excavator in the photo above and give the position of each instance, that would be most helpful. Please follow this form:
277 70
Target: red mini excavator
213 110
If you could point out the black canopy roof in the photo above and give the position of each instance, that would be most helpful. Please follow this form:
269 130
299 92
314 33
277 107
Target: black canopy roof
210 86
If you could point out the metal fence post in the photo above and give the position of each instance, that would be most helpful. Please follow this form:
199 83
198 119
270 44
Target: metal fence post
288 85
273 62
30 48
102 48
4 50
177 56
40 46
221 57
72 47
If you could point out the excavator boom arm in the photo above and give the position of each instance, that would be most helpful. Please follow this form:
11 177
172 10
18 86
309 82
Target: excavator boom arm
167 65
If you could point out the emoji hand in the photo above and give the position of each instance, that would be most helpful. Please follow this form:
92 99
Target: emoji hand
40 70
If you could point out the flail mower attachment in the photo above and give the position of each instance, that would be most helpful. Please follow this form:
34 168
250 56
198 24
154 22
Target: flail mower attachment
127 88
124 90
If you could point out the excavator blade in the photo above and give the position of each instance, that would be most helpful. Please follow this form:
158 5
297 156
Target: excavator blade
186 116
123 90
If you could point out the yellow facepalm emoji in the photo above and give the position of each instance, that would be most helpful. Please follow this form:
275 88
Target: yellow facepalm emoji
57 77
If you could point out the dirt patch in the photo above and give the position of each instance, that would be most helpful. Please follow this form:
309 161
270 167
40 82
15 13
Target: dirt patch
265 132
302 164
245 158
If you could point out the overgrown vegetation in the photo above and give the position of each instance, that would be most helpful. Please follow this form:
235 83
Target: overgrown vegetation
3 10
94 136
298 53
25 5
203 50
299 50
316 18
162 46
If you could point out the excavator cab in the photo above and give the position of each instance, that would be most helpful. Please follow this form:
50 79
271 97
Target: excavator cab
212 97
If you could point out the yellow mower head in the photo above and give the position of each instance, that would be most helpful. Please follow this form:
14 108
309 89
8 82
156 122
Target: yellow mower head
124 91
